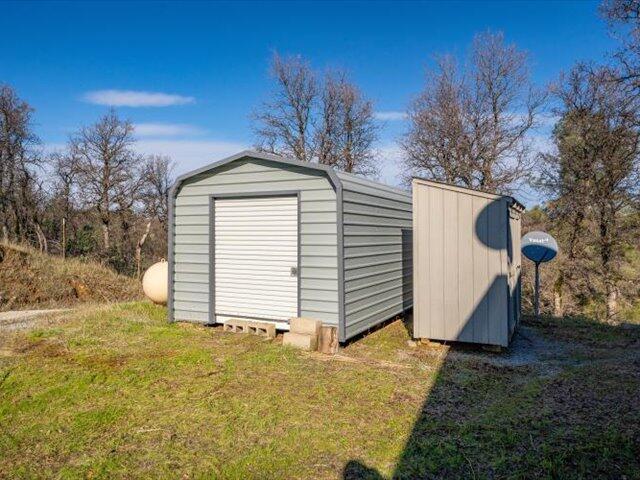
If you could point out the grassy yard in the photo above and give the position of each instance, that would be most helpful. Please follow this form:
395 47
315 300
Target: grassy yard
116 392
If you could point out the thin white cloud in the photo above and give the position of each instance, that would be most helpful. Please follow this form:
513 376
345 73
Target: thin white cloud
548 120
166 130
190 154
541 143
390 162
390 115
133 98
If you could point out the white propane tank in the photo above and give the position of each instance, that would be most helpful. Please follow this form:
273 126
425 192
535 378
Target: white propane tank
155 282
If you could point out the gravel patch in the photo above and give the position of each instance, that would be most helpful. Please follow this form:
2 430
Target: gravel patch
24 319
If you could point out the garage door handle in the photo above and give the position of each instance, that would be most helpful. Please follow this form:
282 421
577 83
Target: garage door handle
294 271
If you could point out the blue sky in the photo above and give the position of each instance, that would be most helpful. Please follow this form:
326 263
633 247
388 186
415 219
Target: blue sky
210 60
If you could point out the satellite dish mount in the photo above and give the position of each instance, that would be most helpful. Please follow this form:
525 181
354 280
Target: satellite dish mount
539 247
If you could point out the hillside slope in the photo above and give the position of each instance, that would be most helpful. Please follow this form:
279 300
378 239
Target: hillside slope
30 279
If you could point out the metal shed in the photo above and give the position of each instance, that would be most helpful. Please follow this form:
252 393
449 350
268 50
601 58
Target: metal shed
466 264
269 238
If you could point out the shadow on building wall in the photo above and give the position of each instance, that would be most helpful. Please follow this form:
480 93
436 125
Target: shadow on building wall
407 268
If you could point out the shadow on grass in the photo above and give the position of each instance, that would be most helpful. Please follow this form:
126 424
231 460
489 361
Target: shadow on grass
491 419
486 420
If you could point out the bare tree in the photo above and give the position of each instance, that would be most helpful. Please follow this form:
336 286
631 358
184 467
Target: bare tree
284 123
438 144
594 179
98 183
62 200
328 121
108 169
19 160
472 127
328 132
158 177
621 10
347 128
624 21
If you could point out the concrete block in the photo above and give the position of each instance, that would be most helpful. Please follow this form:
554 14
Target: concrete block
235 325
300 340
268 330
262 329
307 326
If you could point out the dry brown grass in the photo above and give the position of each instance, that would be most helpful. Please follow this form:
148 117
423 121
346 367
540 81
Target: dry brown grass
30 279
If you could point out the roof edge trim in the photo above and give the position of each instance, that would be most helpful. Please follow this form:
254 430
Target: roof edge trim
333 177
480 193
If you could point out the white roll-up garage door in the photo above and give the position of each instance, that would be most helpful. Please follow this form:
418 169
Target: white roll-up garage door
256 258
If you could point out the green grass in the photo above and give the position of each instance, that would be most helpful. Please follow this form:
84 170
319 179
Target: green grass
116 392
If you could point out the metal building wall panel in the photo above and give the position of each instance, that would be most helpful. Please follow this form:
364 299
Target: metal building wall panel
465 254
318 234
421 258
450 263
498 320
480 273
377 247
436 262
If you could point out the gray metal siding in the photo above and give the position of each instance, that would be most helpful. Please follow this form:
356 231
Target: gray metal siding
461 264
318 234
377 224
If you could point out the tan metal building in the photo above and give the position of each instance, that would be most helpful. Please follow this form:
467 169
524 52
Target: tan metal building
466 264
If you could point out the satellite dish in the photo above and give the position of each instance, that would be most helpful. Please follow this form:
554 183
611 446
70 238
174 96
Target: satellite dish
539 247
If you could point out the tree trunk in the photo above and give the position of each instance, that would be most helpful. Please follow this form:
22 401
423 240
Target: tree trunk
45 242
42 240
558 307
139 248
105 236
64 237
612 302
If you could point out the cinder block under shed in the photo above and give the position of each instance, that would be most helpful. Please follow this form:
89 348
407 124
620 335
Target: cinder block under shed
263 329
304 333
303 341
307 326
